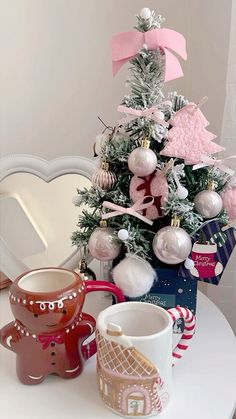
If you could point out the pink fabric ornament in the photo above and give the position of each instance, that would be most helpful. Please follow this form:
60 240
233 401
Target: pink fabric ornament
155 185
228 196
126 46
188 139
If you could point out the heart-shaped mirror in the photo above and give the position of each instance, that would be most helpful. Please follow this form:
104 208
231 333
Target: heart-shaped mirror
36 211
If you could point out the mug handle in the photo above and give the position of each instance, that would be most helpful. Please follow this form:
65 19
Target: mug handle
189 327
90 348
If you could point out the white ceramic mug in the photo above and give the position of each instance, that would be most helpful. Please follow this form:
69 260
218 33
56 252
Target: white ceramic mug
135 356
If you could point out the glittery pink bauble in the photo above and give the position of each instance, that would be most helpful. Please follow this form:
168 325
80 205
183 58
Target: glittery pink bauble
228 196
155 185
103 245
142 161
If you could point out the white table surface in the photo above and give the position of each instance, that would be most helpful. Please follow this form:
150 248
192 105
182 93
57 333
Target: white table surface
204 380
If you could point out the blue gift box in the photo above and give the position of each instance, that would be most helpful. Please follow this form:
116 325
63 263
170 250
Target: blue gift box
170 290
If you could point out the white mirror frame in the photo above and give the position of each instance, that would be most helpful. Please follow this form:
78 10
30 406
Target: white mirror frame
46 170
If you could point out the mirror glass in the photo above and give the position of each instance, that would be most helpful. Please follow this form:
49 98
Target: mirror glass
38 218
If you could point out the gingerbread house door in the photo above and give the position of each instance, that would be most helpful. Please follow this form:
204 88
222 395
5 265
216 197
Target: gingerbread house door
136 404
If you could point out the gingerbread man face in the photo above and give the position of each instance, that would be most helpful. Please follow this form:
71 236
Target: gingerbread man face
45 301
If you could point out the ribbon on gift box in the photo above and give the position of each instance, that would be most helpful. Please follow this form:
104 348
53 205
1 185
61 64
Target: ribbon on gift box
126 45
219 164
151 113
138 206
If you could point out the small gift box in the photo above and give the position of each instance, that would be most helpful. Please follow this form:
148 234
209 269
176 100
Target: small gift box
212 247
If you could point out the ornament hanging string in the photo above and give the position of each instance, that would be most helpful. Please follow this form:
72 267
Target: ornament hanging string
137 113
138 206
219 164
127 45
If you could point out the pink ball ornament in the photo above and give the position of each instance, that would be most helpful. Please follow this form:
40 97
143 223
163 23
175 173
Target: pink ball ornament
228 196
142 161
155 185
103 245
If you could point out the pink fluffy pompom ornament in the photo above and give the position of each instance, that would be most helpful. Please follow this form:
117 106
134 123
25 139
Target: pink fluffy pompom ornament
155 185
228 196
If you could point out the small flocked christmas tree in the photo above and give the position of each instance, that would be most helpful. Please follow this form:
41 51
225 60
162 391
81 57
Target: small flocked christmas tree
145 200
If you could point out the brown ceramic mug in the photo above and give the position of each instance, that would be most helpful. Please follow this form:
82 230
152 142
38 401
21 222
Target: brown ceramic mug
50 328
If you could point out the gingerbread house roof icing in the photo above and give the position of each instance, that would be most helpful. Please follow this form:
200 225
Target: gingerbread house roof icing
123 360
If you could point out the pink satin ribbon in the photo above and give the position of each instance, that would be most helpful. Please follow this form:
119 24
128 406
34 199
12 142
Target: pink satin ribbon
45 340
138 206
209 161
137 113
126 45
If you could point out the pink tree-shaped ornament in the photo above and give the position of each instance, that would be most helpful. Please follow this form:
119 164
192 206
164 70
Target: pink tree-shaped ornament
188 139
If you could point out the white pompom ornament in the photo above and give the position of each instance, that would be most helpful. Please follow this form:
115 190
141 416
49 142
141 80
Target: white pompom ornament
134 276
145 13
77 200
123 234
189 264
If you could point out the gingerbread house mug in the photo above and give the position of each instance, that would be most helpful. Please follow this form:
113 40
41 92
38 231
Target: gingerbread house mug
49 329
135 356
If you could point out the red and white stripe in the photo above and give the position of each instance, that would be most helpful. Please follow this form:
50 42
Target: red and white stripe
158 404
189 326
160 382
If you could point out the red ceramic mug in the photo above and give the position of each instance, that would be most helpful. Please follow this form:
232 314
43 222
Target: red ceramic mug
50 328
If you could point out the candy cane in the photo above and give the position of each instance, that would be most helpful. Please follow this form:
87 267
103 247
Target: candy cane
160 382
157 401
189 321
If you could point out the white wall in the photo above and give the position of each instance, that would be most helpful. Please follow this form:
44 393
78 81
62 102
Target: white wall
225 294
55 72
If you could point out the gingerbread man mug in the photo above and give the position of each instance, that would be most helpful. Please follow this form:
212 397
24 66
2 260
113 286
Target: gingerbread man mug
49 330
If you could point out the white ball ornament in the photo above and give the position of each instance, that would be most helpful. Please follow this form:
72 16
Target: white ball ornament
134 276
208 203
102 244
123 234
100 141
142 161
172 244
145 13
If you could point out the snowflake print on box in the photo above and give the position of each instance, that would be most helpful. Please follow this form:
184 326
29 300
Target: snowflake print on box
210 258
155 185
188 139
